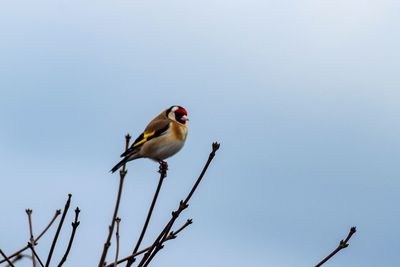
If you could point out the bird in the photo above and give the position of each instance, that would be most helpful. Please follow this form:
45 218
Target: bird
162 138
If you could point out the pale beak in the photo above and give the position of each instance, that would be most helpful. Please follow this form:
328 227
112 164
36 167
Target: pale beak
185 118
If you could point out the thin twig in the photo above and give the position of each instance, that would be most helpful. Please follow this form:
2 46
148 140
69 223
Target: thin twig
118 221
173 234
342 244
152 254
31 239
158 243
18 252
19 257
58 230
75 225
6 258
122 174
163 173
58 212
35 254
129 257
146 249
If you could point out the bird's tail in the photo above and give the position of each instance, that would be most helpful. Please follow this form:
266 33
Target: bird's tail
119 164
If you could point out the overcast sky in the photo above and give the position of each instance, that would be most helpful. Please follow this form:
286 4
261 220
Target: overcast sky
303 96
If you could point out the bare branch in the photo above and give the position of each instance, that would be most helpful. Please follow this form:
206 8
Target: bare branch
342 244
18 252
122 174
146 249
35 254
128 257
31 239
58 212
165 235
19 257
163 173
58 230
158 243
173 234
117 220
75 225
6 258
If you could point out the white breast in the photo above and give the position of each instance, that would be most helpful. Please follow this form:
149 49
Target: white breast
162 147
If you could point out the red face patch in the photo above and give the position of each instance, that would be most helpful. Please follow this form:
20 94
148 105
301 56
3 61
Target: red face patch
181 111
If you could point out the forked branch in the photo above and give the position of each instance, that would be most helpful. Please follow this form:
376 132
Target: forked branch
32 247
171 236
18 252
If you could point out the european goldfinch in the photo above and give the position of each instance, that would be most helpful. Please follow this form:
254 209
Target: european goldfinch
162 138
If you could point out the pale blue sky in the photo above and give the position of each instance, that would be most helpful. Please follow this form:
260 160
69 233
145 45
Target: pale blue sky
303 96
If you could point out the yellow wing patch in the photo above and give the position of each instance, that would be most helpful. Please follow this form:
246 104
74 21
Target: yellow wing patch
144 139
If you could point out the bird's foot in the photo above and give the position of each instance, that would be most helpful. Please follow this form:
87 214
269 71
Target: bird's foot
163 166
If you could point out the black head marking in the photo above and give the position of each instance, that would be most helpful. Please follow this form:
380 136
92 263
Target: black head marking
169 110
